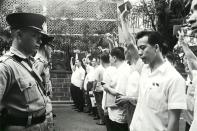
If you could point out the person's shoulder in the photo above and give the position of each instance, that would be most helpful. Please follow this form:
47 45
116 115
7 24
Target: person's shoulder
40 60
172 73
5 62
111 69
145 68
82 69
100 68
126 67
6 58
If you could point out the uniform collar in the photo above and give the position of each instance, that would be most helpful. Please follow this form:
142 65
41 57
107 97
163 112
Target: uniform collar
17 53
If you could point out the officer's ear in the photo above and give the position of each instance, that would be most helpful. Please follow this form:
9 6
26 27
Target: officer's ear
17 33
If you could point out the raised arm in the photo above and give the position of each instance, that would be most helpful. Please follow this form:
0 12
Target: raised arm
192 59
128 37
72 65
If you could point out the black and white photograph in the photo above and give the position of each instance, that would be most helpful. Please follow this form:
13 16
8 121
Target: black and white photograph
98 65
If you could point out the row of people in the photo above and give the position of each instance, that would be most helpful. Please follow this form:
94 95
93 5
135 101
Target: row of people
149 94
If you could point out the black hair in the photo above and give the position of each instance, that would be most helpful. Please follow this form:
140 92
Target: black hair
118 52
90 57
105 57
154 38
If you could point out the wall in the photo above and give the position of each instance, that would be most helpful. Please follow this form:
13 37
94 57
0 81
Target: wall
61 86
66 17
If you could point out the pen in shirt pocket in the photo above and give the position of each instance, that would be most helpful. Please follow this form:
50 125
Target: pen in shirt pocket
155 84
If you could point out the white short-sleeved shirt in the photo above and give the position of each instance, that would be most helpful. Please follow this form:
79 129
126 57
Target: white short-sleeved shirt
88 76
99 77
194 123
159 91
188 114
118 114
133 83
91 74
108 78
77 77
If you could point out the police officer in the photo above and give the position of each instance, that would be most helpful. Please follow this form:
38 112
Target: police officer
22 102
42 65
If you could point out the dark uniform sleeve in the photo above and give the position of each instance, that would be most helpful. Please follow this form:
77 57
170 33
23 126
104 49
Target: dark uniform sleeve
5 80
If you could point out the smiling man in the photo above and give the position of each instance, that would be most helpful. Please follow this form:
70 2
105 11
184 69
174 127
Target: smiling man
22 102
161 88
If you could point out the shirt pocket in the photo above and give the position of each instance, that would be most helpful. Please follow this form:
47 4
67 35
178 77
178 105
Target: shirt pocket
157 99
29 89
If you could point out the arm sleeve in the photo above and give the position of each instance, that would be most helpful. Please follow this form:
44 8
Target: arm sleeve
133 84
177 95
5 77
106 78
39 66
82 74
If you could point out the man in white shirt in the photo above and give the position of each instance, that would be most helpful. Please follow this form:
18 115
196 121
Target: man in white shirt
161 89
117 114
77 79
108 79
88 86
132 90
98 92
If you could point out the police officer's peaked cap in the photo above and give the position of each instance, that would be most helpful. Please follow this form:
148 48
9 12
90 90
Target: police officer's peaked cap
26 20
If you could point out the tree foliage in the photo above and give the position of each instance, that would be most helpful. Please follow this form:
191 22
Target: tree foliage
164 14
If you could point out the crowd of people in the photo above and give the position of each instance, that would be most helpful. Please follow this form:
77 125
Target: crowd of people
136 87
131 88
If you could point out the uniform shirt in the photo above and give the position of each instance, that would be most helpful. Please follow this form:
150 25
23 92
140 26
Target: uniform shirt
43 68
77 77
19 91
159 91
99 77
118 114
194 123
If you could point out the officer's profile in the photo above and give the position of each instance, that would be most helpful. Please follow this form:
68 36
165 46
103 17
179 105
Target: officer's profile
22 102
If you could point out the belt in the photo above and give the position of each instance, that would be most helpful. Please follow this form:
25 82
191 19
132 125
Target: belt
16 113
20 121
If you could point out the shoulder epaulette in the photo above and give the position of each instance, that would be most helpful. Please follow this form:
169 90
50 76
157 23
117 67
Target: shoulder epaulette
5 57
41 60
